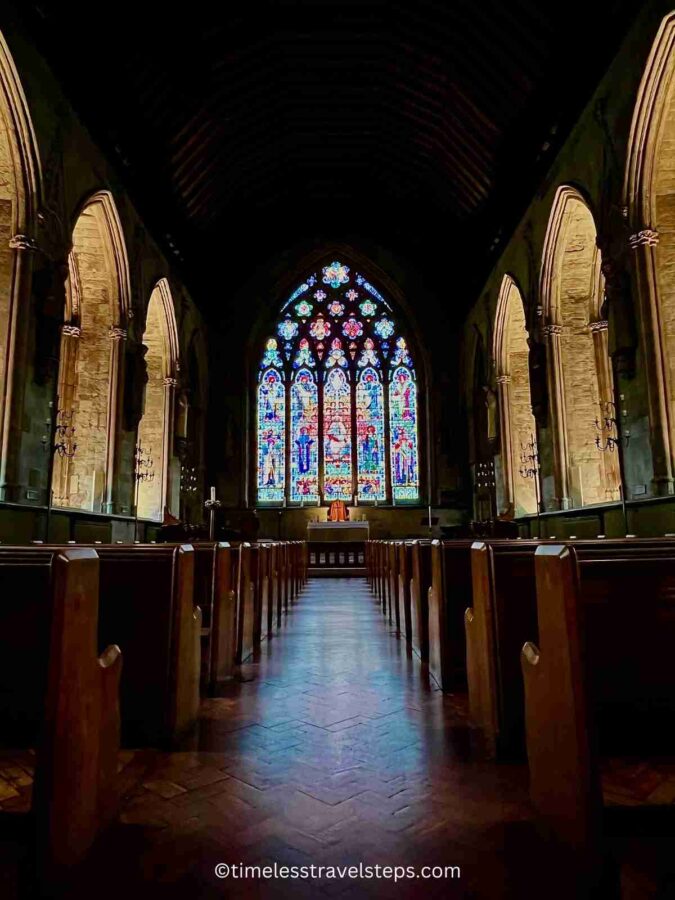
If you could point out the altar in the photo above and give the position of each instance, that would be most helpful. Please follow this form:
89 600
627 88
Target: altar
337 548
338 531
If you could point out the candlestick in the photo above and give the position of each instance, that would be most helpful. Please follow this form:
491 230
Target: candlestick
213 492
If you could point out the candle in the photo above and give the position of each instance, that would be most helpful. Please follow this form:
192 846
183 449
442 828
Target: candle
213 492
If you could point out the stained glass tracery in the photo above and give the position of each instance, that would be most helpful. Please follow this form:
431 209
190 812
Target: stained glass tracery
337 397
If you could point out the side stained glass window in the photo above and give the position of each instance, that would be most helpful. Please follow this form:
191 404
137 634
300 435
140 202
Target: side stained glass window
337 397
271 436
403 435
337 437
370 443
304 447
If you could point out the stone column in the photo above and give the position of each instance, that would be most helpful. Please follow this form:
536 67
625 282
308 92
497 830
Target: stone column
556 393
644 243
117 338
600 334
168 475
16 368
508 463
70 340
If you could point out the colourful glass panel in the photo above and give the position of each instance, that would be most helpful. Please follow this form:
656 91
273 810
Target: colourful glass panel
403 435
370 442
337 437
271 437
335 274
304 438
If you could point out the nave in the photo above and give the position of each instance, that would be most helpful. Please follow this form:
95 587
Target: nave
334 749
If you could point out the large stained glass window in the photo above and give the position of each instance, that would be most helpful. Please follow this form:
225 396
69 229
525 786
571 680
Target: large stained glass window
340 365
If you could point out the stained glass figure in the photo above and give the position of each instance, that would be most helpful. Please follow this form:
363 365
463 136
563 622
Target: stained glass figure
370 442
337 437
335 274
288 329
384 328
403 435
320 295
271 437
401 356
368 355
319 329
336 308
304 438
368 308
352 328
304 309
304 356
271 357
336 357
352 294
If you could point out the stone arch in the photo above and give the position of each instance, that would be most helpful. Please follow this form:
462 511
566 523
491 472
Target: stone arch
579 371
649 200
93 334
518 428
20 200
155 429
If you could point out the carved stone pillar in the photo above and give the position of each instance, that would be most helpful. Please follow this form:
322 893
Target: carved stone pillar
507 437
115 413
644 243
16 367
556 392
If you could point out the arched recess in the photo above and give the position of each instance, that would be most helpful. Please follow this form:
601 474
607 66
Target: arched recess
156 426
649 199
511 355
579 368
93 334
20 199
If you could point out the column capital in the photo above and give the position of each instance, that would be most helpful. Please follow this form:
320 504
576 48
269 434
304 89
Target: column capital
503 379
646 237
170 382
552 329
22 242
71 330
600 325
117 334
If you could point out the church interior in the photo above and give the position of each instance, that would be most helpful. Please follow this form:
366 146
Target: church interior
337 450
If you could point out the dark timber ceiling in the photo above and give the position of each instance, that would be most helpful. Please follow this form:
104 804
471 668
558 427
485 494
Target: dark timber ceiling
243 129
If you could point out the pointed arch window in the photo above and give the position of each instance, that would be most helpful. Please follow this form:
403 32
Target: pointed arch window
337 397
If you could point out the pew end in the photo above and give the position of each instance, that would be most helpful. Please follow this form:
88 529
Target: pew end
480 655
564 781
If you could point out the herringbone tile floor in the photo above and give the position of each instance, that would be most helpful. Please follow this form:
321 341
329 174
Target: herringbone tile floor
333 750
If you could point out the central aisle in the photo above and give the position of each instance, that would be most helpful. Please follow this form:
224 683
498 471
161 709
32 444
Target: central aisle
335 752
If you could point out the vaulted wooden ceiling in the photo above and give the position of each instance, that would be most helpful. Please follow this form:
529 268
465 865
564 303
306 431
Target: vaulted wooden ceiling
420 125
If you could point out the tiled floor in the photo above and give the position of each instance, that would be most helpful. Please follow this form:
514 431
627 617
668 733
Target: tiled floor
334 751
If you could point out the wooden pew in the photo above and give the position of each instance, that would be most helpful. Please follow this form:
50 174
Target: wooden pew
448 597
404 578
600 682
265 588
394 610
147 607
419 596
245 604
223 636
58 696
